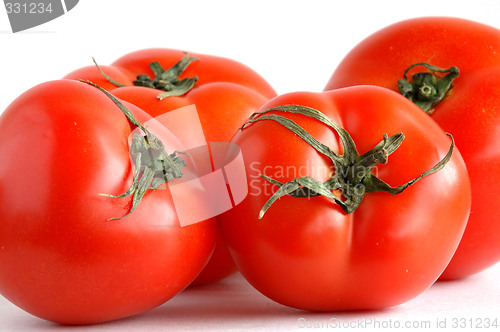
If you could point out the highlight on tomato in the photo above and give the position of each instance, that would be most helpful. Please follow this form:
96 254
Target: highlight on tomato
449 67
89 226
224 91
357 200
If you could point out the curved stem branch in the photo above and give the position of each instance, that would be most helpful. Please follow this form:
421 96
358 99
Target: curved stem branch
353 176
427 89
153 165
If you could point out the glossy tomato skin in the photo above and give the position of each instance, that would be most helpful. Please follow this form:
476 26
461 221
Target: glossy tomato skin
470 111
61 259
225 95
306 252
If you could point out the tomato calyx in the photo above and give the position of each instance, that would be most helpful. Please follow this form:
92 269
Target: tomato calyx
168 80
164 80
427 89
153 165
353 176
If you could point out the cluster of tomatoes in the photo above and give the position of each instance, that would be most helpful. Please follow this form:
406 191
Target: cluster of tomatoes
357 197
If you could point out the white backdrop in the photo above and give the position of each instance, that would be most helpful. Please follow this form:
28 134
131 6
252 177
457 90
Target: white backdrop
295 45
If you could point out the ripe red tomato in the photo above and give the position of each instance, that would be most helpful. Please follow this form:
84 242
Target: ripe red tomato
470 110
306 252
225 93
65 143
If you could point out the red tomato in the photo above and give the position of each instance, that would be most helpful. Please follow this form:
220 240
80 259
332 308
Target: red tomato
470 111
306 252
65 143
225 93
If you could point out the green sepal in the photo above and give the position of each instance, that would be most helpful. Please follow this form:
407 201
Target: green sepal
165 80
168 80
353 176
153 165
427 89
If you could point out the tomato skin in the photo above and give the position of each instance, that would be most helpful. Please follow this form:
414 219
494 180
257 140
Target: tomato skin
480 142
470 112
222 107
61 259
225 95
220 265
306 252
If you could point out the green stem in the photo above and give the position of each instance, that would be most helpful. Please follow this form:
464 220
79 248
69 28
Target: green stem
153 165
112 81
427 89
353 176
164 80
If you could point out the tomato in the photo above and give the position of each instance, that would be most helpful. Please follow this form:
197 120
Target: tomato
69 252
306 251
470 110
225 93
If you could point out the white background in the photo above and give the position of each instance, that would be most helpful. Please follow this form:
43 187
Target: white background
295 45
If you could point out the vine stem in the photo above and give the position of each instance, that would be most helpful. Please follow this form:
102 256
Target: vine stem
153 165
427 89
353 176
167 81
